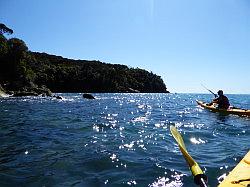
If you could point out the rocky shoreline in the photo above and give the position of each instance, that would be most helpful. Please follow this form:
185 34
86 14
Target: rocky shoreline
26 91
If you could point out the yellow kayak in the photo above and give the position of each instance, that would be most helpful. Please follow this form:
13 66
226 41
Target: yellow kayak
240 175
236 111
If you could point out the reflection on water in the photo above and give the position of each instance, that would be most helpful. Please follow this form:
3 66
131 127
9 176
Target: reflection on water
222 118
115 140
166 182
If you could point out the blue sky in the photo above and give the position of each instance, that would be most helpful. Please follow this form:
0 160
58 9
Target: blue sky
187 43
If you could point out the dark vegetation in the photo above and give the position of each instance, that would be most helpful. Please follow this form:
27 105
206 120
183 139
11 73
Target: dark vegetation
33 73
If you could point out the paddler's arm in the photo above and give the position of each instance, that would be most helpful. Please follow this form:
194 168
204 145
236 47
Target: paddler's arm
216 100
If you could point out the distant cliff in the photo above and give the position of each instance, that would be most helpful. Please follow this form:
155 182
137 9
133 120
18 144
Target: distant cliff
36 73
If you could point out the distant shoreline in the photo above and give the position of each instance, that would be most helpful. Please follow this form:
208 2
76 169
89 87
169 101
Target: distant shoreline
23 72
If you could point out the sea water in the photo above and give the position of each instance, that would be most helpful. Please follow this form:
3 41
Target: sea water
117 140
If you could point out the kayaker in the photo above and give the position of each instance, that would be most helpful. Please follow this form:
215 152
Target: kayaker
222 101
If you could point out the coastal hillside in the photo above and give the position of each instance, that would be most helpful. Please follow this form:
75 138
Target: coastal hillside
24 71
67 75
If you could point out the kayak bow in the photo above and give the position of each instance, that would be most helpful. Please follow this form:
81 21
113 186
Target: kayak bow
240 175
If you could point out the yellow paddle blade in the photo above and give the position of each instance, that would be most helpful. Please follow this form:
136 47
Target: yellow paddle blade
194 167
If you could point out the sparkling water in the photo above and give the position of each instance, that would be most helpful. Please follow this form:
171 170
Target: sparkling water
117 140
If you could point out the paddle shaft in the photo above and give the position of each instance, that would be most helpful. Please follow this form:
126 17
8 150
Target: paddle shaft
199 177
203 183
215 95
201 180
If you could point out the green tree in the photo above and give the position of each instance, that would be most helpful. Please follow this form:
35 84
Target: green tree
19 62
17 49
3 46
5 29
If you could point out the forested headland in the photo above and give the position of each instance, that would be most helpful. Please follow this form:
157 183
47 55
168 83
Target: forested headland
34 73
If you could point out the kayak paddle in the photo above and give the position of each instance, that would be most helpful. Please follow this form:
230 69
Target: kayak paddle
199 177
215 95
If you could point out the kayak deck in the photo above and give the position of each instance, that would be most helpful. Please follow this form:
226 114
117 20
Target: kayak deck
235 111
240 175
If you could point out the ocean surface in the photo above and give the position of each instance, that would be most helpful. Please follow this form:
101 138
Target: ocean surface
117 140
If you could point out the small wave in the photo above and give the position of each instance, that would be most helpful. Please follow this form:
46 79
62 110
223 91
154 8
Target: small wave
140 119
197 141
